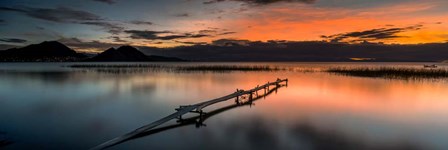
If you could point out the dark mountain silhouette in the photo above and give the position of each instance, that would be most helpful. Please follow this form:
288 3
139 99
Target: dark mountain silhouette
128 54
53 51
311 51
242 50
48 51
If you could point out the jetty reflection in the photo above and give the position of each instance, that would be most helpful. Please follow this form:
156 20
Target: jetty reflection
197 120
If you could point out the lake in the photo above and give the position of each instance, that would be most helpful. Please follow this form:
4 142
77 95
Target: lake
49 106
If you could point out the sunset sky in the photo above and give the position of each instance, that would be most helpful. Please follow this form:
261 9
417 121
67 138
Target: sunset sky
91 25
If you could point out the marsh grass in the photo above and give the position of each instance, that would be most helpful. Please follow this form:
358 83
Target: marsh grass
225 68
116 66
391 72
175 68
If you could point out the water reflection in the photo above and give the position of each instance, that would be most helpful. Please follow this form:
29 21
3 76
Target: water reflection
314 138
198 120
47 76
73 109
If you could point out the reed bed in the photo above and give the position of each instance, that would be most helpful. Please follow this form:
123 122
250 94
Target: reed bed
116 66
228 68
391 72
177 68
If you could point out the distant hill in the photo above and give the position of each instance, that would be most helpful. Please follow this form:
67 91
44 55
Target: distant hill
128 54
49 51
53 51
305 51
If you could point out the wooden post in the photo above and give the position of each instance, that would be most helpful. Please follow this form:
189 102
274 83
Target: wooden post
256 92
201 113
237 101
264 90
250 96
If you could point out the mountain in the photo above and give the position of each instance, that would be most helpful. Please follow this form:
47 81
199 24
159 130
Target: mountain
305 51
53 51
128 54
48 51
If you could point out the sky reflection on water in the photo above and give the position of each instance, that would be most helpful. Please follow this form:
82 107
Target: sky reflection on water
65 109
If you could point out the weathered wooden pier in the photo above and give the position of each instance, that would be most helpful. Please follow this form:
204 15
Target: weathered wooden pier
238 96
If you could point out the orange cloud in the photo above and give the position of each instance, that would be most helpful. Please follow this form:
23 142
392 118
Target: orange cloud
306 22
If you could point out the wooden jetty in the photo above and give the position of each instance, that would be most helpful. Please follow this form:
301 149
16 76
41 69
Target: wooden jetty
198 120
195 108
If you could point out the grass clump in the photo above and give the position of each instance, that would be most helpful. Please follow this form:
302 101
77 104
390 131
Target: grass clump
391 72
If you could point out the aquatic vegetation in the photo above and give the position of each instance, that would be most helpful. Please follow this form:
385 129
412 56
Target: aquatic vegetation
391 72
116 66
186 68
228 68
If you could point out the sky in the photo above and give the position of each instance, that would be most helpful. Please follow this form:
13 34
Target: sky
95 25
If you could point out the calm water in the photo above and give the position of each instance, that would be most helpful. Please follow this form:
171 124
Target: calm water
46 106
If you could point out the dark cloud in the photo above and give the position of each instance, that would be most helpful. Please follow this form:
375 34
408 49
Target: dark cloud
215 31
109 27
231 42
226 33
371 35
191 43
172 35
40 28
183 15
181 36
10 9
139 34
261 2
137 22
118 39
67 15
60 14
160 35
208 31
106 1
12 40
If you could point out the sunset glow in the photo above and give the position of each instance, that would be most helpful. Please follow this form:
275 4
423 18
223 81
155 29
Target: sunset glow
183 23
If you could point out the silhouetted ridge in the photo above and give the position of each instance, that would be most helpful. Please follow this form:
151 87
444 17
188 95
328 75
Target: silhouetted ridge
130 54
45 51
